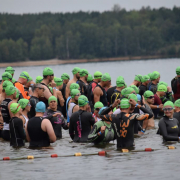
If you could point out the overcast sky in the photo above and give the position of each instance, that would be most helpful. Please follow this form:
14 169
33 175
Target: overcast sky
35 6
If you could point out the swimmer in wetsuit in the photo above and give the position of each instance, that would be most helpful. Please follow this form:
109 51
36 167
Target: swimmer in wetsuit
39 130
169 127
124 122
17 133
143 86
81 121
177 110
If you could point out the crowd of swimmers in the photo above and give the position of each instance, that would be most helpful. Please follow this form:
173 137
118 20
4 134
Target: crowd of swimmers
87 106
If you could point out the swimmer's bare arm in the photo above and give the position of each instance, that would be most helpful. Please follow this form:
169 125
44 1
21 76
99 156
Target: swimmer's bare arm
47 93
76 108
68 90
60 97
156 106
97 94
27 134
47 127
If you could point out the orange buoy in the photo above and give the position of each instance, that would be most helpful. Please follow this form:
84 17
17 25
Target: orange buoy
30 157
171 147
54 155
148 149
125 150
102 153
6 158
78 154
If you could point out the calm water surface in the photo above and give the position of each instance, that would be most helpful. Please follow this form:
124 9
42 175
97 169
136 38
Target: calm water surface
159 164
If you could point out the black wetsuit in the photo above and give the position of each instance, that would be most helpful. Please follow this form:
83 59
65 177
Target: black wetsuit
83 87
38 137
175 84
142 89
124 125
63 90
17 133
43 99
110 91
80 125
116 95
177 116
57 122
169 129
6 118
33 101
103 98
152 87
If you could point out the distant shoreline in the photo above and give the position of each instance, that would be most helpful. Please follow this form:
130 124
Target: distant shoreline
74 61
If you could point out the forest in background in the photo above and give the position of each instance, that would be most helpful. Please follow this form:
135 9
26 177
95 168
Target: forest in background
88 35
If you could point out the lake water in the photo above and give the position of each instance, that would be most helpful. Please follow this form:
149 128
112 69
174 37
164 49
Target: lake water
156 165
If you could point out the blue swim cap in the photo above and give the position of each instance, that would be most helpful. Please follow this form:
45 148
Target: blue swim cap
139 97
40 107
101 110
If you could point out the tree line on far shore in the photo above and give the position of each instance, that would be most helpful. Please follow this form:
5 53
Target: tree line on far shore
87 35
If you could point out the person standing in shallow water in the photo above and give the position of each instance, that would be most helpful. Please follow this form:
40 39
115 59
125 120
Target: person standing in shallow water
76 76
81 121
169 127
39 130
17 134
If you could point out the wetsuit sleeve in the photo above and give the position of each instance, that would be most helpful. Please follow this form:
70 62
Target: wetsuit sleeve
64 124
106 111
92 120
163 132
19 127
93 135
145 110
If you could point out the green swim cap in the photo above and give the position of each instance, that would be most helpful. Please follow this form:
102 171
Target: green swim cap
126 91
83 72
124 104
178 70
82 100
162 88
7 83
30 79
162 83
148 94
136 89
15 107
39 79
150 74
76 70
24 75
90 78
106 77
177 103
155 75
9 90
133 96
74 92
97 75
74 86
65 76
47 71
17 93
13 80
52 98
10 70
138 77
145 78
51 89
169 103
120 82
6 76
58 81
23 103
98 105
